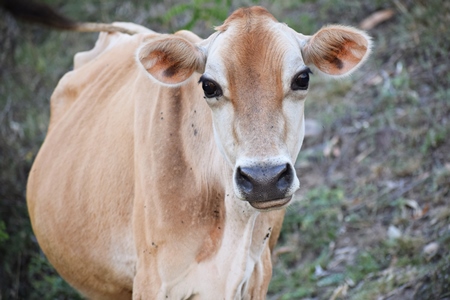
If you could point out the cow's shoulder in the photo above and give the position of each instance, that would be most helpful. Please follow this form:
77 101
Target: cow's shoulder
113 54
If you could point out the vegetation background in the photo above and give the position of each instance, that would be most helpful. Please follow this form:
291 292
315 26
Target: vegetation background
372 218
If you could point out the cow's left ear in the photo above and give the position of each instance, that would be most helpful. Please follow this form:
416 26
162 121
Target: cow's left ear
337 50
171 59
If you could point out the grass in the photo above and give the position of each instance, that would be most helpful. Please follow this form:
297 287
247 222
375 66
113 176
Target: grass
309 226
381 160
391 122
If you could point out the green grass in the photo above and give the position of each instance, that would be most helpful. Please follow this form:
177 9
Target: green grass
309 227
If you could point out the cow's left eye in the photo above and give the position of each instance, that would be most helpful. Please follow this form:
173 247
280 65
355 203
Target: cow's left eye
301 80
211 89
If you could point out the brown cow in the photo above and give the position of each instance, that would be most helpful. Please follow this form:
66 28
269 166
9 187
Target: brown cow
169 159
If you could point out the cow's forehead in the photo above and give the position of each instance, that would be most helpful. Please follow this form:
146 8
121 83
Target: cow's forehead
246 17
254 57
251 45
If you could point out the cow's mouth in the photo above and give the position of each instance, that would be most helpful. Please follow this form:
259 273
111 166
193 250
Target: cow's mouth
270 204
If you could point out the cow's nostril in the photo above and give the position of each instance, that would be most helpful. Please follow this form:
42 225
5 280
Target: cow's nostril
285 179
244 180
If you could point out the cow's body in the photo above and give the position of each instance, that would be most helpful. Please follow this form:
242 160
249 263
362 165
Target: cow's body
136 190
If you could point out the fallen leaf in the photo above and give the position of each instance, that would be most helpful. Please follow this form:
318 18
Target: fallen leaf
350 282
412 204
430 250
393 232
339 292
425 209
331 147
320 272
281 250
417 212
363 155
376 18
374 80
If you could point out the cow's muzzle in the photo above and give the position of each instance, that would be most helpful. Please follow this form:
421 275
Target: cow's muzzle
267 186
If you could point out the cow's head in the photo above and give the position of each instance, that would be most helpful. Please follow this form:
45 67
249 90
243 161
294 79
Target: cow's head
255 74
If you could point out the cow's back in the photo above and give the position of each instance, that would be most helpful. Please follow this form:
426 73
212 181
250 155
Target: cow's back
84 170
72 83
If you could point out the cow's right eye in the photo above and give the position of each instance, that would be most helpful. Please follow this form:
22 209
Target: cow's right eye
211 89
301 80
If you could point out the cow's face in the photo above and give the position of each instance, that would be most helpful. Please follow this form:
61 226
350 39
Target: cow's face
255 80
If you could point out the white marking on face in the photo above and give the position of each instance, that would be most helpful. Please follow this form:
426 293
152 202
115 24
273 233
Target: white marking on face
249 131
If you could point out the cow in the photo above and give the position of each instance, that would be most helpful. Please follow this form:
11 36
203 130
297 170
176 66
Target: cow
169 159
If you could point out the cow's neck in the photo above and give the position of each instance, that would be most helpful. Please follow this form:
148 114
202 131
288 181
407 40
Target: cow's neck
243 245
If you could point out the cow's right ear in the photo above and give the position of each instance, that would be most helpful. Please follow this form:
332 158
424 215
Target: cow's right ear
171 60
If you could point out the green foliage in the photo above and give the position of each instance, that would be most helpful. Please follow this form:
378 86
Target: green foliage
46 283
29 72
186 15
435 137
436 285
317 217
3 234
315 220
198 10
365 264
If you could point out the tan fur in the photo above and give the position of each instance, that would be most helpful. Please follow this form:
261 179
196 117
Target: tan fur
170 60
130 196
245 14
253 63
336 50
